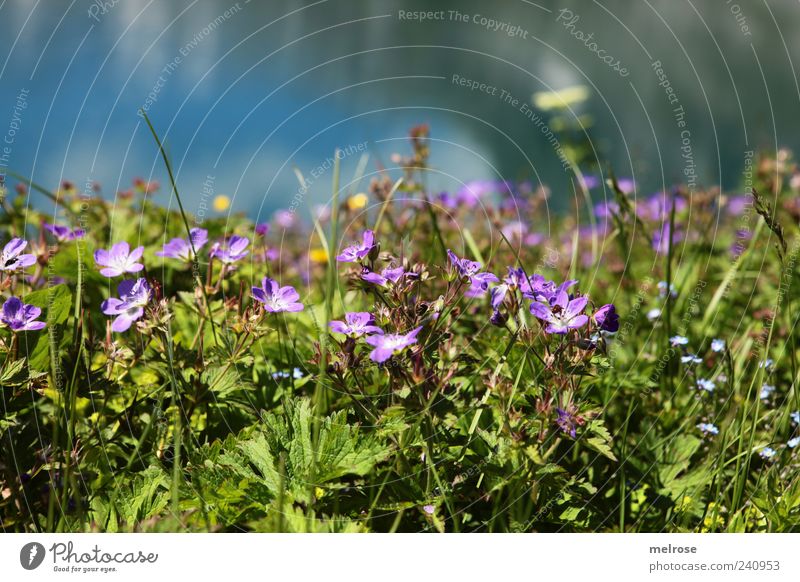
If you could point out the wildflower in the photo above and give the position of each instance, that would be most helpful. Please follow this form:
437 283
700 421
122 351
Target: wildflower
568 420
678 340
276 298
12 257
662 238
133 297
766 391
297 373
653 314
766 364
767 453
706 385
119 259
20 316
180 248
467 269
795 416
389 344
357 202
284 218
318 255
545 291
662 289
429 509
221 203
356 324
498 319
386 276
514 280
232 250
717 345
356 252
708 428
691 359
262 229
64 233
563 315
606 318
793 442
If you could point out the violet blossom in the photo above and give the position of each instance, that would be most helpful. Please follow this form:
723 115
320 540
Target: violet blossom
181 248
232 250
133 297
479 282
386 276
389 344
12 257
563 315
276 298
64 233
119 259
606 318
356 323
20 316
358 251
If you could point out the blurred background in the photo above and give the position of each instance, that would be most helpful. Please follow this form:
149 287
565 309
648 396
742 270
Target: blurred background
248 94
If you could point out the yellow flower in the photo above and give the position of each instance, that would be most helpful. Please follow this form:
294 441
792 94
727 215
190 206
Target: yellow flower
221 203
318 255
357 202
561 99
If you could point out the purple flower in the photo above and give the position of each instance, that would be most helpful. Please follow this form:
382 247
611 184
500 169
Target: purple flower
626 185
563 315
514 280
232 250
12 259
606 318
356 252
276 298
662 237
262 229
356 324
20 316
567 421
386 276
179 248
133 297
479 282
540 289
285 218
389 344
64 233
119 259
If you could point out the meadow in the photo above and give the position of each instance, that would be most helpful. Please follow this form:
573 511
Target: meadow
407 361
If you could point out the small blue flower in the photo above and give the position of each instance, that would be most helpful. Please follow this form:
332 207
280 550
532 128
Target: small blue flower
766 364
706 385
717 345
297 373
662 289
766 391
795 416
691 359
678 340
793 442
767 453
653 314
708 428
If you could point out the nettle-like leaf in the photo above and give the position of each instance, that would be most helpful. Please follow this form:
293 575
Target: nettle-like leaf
340 450
146 496
56 304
